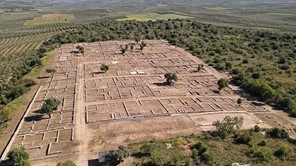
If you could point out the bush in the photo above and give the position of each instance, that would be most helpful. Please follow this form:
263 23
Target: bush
66 163
104 67
200 151
262 143
119 155
19 157
49 105
278 133
256 128
282 152
262 153
242 139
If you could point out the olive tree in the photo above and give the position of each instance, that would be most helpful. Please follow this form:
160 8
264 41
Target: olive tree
19 157
228 125
118 156
142 45
222 83
171 78
239 101
104 67
49 105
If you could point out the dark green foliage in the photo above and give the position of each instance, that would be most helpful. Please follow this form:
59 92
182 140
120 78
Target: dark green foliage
81 49
262 143
282 152
201 152
262 153
170 78
118 156
142 45
239 101
278 133
104 67
200 67
242 139
19 157
123 50
50 70
260 88
49 105
66 163
256 128
222 83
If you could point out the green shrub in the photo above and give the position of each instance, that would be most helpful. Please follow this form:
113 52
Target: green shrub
66 163
282 152
19 157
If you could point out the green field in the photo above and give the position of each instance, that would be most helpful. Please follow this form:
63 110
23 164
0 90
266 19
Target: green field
50 19
152 17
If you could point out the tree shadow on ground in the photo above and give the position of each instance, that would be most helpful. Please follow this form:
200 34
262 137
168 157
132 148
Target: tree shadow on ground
162 84
33 118
256 103
99 72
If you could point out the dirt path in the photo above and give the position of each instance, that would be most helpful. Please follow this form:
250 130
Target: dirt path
81 133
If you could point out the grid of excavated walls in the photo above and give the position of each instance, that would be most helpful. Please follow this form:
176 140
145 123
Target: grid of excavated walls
44 136
133 87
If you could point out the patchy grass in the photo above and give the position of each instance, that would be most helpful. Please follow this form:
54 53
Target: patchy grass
224 152
50 19
39 70
153 17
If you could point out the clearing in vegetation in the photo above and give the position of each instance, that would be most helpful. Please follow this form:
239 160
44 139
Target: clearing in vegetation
153 17
50 19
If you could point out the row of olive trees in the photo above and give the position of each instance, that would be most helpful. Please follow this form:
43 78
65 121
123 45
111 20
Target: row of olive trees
131 46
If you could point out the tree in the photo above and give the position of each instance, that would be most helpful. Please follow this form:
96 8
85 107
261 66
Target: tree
137 39
228 124
132 47
117 156
50 70
49 105
19 157
142 45
123 50
282 152
81 49
66 163
239 101
222 83
170 78
104 67
200 67
256 128
278 133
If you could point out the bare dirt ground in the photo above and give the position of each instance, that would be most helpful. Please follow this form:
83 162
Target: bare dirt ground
130 102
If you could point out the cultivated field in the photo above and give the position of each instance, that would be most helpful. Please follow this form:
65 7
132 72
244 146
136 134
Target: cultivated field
153 17
50 19
129 103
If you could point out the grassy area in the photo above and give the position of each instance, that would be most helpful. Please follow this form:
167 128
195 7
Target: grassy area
50 19
222 152
39 70
152 17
